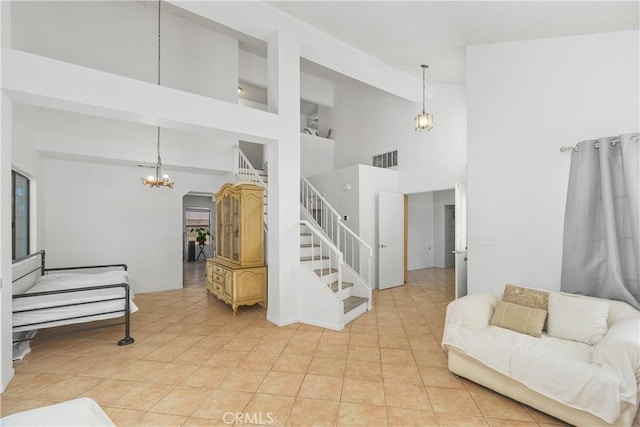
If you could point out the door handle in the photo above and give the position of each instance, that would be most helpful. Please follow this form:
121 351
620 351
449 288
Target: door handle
457 252
382 245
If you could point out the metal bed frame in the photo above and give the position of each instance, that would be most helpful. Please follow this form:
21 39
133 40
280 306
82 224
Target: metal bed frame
128 339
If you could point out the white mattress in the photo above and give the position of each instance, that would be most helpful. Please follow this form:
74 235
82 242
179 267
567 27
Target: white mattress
77 412
59 281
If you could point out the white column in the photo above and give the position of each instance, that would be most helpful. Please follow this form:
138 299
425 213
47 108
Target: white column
284 179
6 106
6 356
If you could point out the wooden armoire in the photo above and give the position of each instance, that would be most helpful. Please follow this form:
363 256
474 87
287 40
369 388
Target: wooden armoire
237 275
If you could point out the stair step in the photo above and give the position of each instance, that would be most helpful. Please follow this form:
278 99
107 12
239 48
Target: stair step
345 285
313 258
325 271
304 234
352 302
309 245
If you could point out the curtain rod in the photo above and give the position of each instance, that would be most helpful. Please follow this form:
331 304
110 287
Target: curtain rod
596 144
569 148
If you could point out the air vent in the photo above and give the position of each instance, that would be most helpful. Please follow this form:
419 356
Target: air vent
386 160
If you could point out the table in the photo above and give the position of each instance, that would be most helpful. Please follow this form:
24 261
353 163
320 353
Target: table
201 251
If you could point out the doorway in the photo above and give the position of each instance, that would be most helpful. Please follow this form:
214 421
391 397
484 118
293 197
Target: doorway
437 232
449 236
197 220
431 236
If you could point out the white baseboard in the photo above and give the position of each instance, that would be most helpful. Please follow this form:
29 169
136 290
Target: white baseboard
335 327
279 322
6 381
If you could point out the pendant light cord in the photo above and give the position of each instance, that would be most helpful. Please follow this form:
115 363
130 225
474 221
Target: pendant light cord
159 13
424 67
159 8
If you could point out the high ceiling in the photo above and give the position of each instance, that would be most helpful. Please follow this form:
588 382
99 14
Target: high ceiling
407 34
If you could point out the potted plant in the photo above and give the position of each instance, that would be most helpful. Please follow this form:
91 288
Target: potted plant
202 235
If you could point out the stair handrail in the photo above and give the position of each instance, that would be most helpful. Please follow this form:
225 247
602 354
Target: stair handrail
333 248
330 218
331 226
369 249
243 164
320 196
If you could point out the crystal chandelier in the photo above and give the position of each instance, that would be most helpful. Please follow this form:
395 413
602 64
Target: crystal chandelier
424 120
159 180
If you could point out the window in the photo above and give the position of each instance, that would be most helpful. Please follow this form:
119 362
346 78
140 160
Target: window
197 218
19 215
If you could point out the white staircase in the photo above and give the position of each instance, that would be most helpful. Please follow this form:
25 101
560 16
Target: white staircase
331 296
339 259
336 274
245 172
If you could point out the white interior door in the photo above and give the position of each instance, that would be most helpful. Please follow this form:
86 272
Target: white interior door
461 239
390 240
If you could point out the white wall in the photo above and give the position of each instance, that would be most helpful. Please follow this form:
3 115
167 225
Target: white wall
25 161
525 100
316 155
283 158
193 201
122 38
420 239
104 215
366 121
64 134
254 153
260 20
6 129
6 356
253 69
331 185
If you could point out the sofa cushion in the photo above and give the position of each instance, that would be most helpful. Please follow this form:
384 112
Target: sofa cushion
525 296
578 319
519 318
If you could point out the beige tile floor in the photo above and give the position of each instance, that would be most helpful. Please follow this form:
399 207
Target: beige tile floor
194 364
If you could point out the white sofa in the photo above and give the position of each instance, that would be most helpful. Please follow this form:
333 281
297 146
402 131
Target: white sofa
582 384
81 412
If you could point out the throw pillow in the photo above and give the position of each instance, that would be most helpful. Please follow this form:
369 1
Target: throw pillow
577 319
525 296
519 318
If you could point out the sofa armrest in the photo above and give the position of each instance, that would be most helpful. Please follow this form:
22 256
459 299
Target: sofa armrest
472 311
620 349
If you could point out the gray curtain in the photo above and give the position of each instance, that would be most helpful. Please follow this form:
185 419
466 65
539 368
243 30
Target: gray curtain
601 230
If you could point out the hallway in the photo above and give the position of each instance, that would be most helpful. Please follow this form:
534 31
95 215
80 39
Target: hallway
194 273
